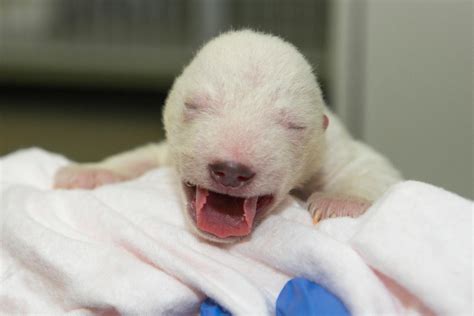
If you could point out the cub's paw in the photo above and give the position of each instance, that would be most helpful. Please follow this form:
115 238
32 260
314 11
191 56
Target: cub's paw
84 177
322 206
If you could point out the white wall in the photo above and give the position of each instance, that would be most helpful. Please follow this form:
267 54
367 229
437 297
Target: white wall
412 93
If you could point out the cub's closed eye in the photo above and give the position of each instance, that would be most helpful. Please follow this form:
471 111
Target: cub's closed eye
294 126
191 106
290 120
191 111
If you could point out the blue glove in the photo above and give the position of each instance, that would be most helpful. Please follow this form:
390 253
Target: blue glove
303 297
210 308
298 297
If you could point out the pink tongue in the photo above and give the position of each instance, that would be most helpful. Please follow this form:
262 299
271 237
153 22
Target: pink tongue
224 216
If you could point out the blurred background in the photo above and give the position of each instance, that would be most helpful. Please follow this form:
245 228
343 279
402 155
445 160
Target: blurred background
88 78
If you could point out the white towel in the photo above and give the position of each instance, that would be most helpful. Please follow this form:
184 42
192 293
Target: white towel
125 248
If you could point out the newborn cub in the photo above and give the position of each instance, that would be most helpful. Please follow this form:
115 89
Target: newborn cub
246 124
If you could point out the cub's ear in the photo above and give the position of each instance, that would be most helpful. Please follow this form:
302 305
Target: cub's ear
325 122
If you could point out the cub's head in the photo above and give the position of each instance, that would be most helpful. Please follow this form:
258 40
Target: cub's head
245 125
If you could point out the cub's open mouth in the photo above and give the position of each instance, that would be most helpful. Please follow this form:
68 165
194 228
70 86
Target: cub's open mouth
224 215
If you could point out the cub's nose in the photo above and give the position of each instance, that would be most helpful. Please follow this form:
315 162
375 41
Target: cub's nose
230 173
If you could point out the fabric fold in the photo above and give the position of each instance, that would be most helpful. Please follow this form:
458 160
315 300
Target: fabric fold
126 249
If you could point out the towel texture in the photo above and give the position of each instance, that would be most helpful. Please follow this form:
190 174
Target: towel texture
125 248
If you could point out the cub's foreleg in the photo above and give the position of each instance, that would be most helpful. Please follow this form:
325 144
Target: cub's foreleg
121 167
353 187
352 177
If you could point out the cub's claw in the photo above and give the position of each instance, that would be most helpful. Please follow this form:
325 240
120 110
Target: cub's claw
322 206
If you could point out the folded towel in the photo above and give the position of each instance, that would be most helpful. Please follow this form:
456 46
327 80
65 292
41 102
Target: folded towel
125 248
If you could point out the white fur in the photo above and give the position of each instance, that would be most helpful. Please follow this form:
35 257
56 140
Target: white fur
253 98
241 83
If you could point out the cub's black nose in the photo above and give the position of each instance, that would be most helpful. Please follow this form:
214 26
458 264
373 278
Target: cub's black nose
231 174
